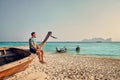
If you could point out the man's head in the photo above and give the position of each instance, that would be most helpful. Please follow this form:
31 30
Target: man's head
33 34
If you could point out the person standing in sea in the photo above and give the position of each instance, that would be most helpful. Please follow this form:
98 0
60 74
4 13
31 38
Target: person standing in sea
34 47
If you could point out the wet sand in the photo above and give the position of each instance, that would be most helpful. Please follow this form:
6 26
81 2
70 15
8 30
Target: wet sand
70 67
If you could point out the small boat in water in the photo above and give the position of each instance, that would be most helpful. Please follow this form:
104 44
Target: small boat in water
13 60
61 50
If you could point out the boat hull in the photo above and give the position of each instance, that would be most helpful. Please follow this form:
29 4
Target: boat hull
16 66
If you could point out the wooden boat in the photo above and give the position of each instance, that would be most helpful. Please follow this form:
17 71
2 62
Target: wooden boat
13 60
61 50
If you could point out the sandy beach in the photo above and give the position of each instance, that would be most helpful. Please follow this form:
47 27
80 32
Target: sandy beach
70 67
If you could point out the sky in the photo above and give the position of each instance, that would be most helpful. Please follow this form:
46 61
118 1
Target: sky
69 20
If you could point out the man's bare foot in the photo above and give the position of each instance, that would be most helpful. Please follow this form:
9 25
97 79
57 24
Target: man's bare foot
42 62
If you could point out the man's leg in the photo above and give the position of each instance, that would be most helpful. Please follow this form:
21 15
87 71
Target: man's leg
38 54
42 55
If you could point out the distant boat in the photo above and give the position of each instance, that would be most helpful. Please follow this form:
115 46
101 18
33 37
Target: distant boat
13 60
61 50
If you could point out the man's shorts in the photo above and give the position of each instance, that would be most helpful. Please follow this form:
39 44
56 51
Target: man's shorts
33 50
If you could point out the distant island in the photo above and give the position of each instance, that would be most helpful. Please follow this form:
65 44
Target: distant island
97 40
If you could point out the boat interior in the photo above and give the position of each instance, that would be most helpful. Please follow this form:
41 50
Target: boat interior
12 54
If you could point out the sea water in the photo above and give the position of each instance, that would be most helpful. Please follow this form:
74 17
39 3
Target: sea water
108 49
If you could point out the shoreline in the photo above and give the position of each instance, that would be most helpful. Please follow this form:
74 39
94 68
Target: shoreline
84 55
70 67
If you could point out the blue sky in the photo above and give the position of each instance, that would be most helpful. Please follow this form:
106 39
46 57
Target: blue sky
69 20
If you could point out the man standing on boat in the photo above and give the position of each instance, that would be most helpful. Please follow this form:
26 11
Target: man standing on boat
35 47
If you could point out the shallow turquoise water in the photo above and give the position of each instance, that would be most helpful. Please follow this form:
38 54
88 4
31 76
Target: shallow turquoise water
111 49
